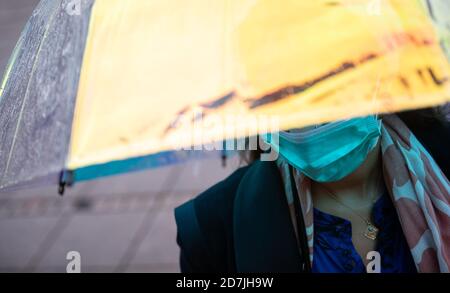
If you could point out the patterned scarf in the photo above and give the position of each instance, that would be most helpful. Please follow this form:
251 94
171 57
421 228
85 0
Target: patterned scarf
418 188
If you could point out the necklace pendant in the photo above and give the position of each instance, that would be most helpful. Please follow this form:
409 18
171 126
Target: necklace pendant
371 231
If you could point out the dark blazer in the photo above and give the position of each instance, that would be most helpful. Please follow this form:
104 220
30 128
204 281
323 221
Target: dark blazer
243 224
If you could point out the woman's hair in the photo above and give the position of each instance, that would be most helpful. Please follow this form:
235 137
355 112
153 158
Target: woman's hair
416 120
249 156
424 118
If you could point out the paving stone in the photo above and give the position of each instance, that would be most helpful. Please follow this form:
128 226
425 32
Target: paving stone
20 239
100 239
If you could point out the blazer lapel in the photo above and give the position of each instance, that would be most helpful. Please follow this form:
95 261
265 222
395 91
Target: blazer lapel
264 238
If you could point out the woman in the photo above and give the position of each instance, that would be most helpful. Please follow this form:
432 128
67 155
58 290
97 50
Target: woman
337 193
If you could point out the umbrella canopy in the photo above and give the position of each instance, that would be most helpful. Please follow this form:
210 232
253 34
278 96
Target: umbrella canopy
109 86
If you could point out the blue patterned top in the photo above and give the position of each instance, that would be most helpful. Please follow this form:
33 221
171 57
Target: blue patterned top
334 251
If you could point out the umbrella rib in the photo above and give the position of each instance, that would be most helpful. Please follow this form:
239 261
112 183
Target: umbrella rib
26 94
10 65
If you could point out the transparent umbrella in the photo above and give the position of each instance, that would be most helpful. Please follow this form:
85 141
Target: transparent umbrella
97 88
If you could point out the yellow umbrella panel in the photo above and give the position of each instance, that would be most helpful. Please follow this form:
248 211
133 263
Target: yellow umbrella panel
148 63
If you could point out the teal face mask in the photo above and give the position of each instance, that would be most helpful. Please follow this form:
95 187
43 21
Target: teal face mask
332 151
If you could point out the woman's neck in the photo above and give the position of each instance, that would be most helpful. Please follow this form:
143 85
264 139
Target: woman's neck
363 182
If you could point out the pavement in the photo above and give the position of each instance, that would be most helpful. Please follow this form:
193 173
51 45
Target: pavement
117 224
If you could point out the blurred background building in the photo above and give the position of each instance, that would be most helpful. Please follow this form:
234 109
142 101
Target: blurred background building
117 224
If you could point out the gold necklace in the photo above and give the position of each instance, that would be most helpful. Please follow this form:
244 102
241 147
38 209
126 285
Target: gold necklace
371 230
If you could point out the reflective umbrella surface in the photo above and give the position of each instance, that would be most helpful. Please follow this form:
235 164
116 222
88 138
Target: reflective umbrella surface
112 86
